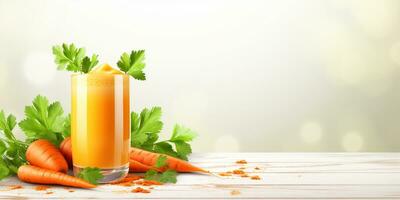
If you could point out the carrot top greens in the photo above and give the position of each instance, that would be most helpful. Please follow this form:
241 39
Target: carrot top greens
12 150
145 130
71 58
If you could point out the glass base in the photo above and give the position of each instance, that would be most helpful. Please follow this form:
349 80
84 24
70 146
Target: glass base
110 174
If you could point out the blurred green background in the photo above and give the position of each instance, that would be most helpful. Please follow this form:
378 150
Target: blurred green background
290 75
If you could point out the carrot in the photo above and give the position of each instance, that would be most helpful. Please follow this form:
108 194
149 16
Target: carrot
33 174
44 154
66 150
135 166
142 161
150 159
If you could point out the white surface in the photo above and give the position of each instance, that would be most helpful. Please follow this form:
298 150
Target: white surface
284 176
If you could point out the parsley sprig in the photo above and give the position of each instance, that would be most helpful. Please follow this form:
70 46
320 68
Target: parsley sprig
168 176
71 58
12 151
133 64
44 121
145 130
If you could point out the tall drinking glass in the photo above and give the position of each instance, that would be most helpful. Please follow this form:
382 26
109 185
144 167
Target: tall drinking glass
100 123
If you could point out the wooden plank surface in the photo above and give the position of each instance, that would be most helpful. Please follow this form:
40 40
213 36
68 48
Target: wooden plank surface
283 176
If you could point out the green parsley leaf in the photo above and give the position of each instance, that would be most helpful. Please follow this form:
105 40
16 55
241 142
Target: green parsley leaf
151 175
161 161
88 64
12 151
67 126
133 64
183 149
7 125
145 128
168 176
91 175
4 170
183 134
165 148
70 58
43 121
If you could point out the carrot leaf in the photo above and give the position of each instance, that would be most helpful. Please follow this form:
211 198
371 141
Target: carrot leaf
12 151
91 175
145 130
168 176
133 64
145 127
71 58
43 120
161 161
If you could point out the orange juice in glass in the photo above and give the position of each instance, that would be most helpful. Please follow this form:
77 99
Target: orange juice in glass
100 122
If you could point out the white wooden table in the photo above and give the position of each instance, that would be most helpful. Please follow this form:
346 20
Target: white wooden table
283 176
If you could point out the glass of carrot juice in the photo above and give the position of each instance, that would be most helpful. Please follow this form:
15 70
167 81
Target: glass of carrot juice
100 122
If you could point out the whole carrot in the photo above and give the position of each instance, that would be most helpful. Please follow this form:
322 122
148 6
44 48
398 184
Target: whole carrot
150 159
135 166
33 174
44 154
66 150
145 160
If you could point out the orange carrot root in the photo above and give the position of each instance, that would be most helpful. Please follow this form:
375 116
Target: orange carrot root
44 154
66 150
150 159
135 166
33 174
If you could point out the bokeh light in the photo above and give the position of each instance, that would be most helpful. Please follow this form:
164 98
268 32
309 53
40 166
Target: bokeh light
311 132
354 60
39 68
352 141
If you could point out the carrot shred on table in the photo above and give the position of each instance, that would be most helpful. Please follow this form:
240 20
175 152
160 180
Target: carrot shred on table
140 190
15 187
242 168
148 182
225 174
49 192
238 171
244 175
41 187
255 178
241 162
256 168
235 192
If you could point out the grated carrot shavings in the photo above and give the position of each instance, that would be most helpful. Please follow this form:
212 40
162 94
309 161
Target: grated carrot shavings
41 187
15 187
140 190
238 171
148 182
241 162
225 174
255 178
244 175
